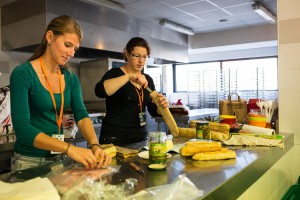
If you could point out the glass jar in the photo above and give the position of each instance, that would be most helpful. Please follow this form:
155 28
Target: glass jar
157 147
202 130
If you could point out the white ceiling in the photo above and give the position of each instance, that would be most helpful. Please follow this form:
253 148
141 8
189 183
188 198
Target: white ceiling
200 15
203 16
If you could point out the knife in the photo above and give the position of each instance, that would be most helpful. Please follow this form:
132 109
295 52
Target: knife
149 89
137 169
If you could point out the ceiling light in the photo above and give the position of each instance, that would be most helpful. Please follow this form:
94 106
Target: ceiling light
106 3
176 27
262 11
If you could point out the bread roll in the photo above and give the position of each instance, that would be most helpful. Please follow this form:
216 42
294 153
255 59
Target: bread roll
215 155
191 148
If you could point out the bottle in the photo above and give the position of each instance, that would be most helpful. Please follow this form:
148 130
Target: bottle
157 147
203 130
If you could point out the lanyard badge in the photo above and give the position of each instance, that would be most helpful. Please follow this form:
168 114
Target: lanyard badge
142 115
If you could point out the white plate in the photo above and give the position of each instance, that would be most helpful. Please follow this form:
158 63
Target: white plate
145 155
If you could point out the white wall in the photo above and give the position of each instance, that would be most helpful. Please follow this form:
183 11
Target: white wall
289 72
275 183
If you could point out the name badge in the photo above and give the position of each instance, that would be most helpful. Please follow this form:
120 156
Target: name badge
142 117
59 137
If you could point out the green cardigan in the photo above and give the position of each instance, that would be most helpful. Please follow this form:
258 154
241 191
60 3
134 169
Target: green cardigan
32 109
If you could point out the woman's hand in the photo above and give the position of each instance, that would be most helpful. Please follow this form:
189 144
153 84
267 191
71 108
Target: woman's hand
102 158
162 100
138 79
88 157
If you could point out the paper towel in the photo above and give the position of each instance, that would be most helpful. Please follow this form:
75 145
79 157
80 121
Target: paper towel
257 130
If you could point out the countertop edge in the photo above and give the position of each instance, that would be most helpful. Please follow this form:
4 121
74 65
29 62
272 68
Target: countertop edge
238 184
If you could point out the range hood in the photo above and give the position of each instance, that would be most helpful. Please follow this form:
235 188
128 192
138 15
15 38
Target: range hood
106 31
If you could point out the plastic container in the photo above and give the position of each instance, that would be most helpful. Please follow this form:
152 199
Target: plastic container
257 120
293 193
228 119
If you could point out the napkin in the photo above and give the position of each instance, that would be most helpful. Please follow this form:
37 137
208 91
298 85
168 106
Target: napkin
125 153
33 189
253 141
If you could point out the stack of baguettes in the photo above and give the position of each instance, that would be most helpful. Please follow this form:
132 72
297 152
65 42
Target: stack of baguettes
206 150
218 132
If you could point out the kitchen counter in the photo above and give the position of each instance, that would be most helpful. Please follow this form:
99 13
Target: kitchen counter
225 179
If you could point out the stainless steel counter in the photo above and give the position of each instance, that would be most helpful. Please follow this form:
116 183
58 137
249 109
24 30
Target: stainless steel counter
226 179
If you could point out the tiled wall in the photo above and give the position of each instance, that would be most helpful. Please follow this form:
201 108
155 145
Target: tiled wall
289 73
276 182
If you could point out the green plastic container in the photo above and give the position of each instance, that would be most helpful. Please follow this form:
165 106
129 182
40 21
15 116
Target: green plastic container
293 193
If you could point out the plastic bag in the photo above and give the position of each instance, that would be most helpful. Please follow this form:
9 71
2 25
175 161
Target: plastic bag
180 188
65 178
94 190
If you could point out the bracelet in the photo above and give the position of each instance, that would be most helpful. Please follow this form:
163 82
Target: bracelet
90 146
67 149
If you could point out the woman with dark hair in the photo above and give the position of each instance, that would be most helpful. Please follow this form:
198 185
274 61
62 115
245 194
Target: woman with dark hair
41 90
127 98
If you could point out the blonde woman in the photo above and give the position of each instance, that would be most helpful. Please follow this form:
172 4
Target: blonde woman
41 89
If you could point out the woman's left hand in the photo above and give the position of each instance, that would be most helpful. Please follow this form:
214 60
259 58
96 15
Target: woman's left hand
162 100
139 79
102 158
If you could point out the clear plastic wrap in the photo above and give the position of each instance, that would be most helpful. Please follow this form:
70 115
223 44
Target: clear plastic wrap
64 178
180 188
94 190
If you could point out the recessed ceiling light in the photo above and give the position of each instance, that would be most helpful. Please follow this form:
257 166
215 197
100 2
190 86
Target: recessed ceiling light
223 20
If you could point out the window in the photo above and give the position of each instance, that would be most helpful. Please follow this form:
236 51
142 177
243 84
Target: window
207 83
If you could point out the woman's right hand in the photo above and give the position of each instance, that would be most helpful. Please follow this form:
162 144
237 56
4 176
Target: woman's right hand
83 156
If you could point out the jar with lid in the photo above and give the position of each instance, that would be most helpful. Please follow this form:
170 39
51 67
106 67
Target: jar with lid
202 130
157 147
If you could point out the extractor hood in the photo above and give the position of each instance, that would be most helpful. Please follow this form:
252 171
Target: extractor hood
106 31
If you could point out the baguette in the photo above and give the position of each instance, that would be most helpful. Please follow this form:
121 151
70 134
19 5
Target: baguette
191 148
216 155
166 115
187 132
217 136
219 131
221 128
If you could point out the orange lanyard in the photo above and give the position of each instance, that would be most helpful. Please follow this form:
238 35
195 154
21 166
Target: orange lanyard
58 118
141 98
